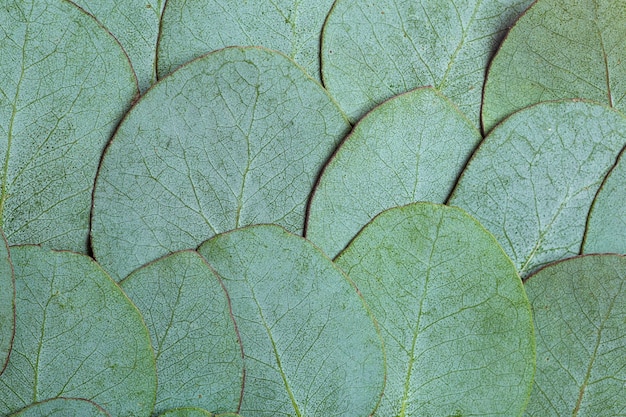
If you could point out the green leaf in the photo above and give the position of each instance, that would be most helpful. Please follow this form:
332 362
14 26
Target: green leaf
410 148
136 25
77 336
372 51
311 347
578 309
64 85
606 226
455 319
63 407
235 138
559 49
191 28
533 179
198 353
7 304
194 412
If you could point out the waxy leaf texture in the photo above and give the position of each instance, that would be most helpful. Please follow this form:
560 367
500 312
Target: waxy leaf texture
191 28
454 317
579 312
62 407
76 336
235 138
198 353
7 304
64 85
606 226
410 148
372 51
559 49
135 24
534 177
311 347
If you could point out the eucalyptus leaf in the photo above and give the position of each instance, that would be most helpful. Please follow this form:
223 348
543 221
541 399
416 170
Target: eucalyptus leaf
193 412
64 85
533 179
136 25
606 226
237 137
191 28
198 353
578 309
410 148
77 336
7 304
455 319
311 346
372 51
63 407
559 49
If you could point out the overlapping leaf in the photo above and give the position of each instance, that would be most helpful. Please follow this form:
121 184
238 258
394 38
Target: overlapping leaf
64 84
606 226
191 28
311 348
454 316
578 309
77 336
559 49
372 51
7 304
533 179
410 148
63 407
199 357
235 138
136 25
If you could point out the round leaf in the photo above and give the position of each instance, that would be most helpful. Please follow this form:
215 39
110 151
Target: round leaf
410 148
199 357
136 25
63 407
578 310
559 49
533 179
455 319
372 51
186 412
192 28
311 347
606 227
7 304
64 85
77 336
235 138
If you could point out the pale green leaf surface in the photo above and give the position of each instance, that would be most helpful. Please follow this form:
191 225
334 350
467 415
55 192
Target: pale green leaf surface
559 49
198 354
579 314
136 25
311 347
534 177
606 226
372 51
410 148
7 304
77 336
235 138
63 407
186 412
454 317
64 85
191 28
193 412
